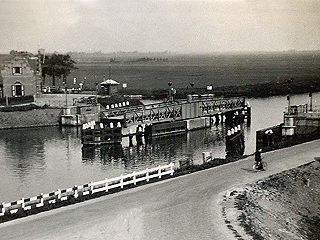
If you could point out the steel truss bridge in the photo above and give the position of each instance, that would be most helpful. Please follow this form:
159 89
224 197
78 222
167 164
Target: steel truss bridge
175 111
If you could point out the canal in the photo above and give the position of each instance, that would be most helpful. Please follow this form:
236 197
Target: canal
40 160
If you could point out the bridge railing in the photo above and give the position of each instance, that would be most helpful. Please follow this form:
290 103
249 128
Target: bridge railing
158 111
91 188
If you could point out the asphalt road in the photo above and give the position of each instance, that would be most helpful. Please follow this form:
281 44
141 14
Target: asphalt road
186 207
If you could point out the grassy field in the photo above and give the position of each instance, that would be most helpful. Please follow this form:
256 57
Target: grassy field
220 70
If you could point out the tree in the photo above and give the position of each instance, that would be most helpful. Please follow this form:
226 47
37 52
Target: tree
57 65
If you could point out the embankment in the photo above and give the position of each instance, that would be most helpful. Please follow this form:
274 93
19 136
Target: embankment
282 206
30 118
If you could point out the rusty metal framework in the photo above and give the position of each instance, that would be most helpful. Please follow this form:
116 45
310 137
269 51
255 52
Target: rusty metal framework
173 111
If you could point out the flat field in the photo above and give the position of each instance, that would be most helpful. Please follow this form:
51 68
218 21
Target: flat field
202 70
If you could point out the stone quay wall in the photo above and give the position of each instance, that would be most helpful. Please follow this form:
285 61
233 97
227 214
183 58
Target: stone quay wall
32 118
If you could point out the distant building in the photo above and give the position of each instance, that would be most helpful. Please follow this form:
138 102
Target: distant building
20 76
109 87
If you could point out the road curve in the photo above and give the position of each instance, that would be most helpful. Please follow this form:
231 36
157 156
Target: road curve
186 207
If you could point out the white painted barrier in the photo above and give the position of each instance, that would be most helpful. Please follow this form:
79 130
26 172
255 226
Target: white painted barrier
87 189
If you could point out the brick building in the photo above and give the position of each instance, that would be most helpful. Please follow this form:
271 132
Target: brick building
20 76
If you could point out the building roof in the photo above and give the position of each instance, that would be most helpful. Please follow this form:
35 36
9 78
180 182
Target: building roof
110 82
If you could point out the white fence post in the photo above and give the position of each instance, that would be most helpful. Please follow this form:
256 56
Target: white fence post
107 185
134 178
147 174
91 187
41 200
22 203
59 193
2 209
159 171
50 198
75 188
121 181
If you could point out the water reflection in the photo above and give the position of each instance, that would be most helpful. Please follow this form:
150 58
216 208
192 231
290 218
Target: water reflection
177 148
23 151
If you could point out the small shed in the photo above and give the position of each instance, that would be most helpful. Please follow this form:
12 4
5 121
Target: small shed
109 87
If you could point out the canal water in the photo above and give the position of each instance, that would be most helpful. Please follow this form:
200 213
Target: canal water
40 160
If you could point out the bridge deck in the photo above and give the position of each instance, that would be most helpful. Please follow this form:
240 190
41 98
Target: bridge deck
177 110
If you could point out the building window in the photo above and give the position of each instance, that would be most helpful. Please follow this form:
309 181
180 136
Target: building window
17 90
17 70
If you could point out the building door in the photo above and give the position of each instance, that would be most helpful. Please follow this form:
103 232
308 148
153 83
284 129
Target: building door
17 90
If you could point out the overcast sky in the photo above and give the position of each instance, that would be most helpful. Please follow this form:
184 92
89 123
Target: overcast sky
159 25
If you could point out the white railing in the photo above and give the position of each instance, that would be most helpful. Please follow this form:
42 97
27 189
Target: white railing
87 189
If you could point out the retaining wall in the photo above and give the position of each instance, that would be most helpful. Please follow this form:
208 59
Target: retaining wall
32 118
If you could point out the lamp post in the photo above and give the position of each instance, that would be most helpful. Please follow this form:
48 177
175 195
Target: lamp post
96 91
66 90
170 91
192 90
310 95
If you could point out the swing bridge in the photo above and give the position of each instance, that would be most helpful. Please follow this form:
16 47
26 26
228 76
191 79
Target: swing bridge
181 110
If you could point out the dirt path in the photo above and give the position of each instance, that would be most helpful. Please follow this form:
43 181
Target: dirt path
283 206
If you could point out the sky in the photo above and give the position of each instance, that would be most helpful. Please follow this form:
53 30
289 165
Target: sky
184 26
